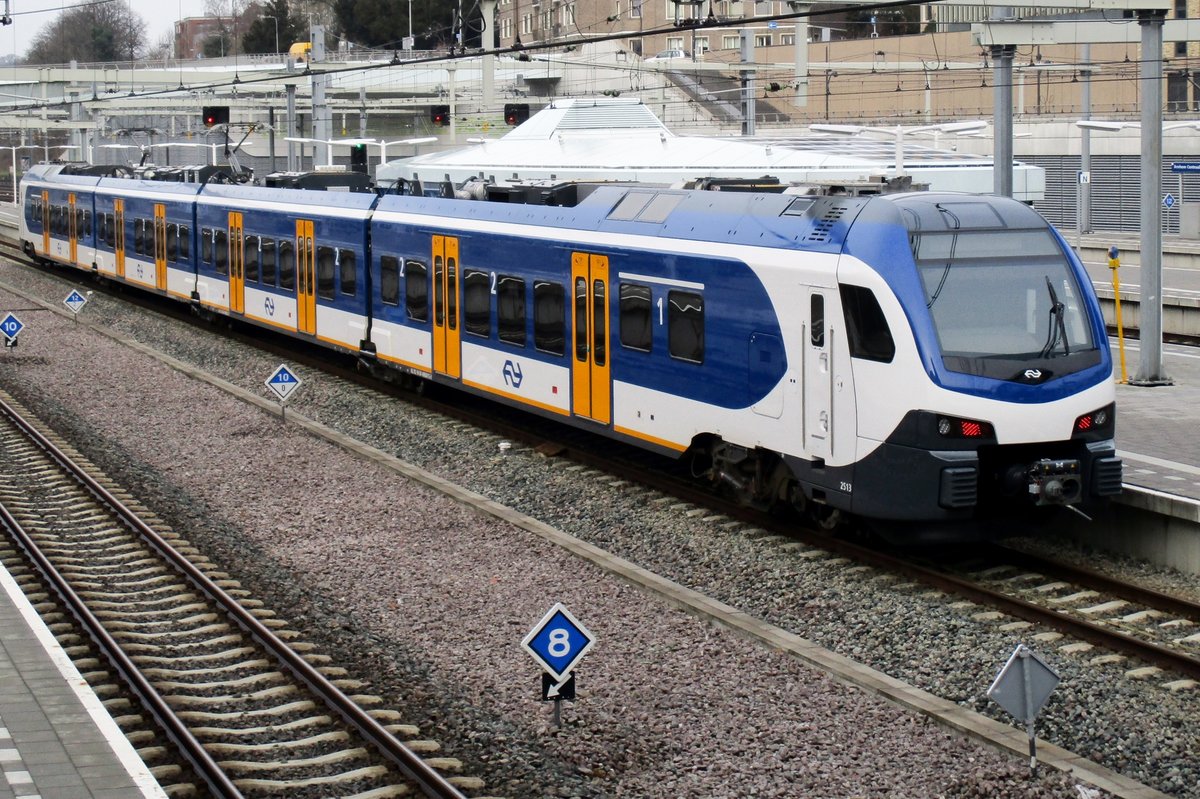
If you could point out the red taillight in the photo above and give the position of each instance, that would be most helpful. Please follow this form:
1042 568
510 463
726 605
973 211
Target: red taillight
951 427
1097 419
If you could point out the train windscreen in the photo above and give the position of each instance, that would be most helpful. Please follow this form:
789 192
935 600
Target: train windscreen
1004 301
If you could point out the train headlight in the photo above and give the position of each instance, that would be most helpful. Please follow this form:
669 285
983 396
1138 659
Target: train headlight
952 427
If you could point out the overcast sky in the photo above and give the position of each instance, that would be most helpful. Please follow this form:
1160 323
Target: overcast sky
30 15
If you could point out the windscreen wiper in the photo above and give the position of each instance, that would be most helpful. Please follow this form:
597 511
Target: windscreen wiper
1058 325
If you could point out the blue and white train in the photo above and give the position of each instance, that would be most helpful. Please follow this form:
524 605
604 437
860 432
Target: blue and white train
914 359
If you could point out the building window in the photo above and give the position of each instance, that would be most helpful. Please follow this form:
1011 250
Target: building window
731 42
787 38
762 40
635 9
674 42
762 8
617 11
701 44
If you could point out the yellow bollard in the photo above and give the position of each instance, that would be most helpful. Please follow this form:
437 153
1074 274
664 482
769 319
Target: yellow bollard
1114 263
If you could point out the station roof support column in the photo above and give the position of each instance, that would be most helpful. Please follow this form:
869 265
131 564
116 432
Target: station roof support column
1150 367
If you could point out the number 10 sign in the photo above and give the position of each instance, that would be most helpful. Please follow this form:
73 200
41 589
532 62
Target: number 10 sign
558 641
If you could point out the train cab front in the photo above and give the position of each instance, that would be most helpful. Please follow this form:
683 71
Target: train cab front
1019 411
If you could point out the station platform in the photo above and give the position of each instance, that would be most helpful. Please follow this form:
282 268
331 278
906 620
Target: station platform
57 741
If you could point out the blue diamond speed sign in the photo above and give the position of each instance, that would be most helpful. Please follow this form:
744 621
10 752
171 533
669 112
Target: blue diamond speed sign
75 301
558 641
283 382
11 326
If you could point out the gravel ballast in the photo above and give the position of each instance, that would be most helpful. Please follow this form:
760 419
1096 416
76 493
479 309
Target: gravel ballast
429 600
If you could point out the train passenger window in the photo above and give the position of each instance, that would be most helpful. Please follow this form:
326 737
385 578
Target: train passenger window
510 309
206 248
87 223
866 327
110 230
549 317
452 293
817 315
636 326
185 247
389 279
172 243
326 261
477 303
599 335
287 265
139 236
581 339
79 222
416 290
685 325
250 258
348 272
221 250
268 262
102 227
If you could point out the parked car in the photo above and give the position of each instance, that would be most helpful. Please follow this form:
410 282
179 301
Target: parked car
668 55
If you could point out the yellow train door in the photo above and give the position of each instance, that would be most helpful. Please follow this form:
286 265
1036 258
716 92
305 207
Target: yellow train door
237 275
590 372
160 246
447 352
119 235
306 283
46 222
72 232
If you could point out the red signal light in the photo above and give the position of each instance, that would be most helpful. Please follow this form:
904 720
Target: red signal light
1084 422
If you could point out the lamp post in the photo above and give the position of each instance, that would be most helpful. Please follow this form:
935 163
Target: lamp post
276 21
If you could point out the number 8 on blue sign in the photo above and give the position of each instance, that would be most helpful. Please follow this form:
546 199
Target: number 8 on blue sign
558 641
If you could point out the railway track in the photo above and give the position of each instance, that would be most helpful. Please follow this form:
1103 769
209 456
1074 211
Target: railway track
242 712
1155 631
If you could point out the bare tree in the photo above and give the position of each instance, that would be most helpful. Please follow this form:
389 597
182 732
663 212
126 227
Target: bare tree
103 32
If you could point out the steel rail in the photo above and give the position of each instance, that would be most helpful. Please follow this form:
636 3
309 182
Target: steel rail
430 782
214 776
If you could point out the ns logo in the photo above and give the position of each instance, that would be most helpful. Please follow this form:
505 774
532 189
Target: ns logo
512 373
